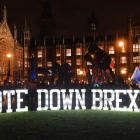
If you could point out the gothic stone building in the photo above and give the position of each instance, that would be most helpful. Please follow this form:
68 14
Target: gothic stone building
19 50
46 48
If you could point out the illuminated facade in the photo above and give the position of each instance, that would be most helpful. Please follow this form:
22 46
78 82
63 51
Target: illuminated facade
46 48
18 50
133 43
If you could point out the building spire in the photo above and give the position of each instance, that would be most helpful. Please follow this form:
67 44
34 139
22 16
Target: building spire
4 13
25 22
47 13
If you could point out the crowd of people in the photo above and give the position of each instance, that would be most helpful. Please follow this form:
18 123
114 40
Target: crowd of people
74 85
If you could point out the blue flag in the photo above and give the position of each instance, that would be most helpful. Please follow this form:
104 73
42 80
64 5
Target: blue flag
33 70
136 76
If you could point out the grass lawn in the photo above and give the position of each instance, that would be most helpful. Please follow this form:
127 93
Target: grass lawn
65 125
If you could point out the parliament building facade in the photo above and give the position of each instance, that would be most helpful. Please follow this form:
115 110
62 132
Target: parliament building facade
46 48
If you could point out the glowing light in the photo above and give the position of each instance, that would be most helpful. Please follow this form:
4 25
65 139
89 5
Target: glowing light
79 102
19 100
123 71
58 99
119 100
9 92
129 78
108 100
121 43
133 100
39 99
78 97
81 72
67 100
8 55
94 99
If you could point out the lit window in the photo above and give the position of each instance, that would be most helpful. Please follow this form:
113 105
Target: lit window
123 50
58 61
39 54
136 59
111 50
89 63
123 60
18 63
40 75
78 71
90 71
39 64
25 54
58 52
68 52
78 62
49 64
26 64
78 51
136 48
69 61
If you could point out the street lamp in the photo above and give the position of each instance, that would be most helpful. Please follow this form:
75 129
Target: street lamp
123 71
121 44
81 73
9 56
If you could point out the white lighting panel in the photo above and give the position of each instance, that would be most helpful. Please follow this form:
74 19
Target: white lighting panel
9 92
133 100
39 99
94 99
51 99
120 100
78 97
67 100
19 100
109 100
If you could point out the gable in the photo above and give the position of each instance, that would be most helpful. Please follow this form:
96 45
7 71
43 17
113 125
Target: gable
6 33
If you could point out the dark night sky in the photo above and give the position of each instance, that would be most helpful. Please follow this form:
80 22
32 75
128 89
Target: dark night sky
71 15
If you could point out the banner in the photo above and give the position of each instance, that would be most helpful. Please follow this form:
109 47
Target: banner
62 99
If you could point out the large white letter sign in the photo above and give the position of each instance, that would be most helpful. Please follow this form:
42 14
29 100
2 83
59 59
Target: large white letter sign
120 100
67 100
109 100
94 99
78 97
21 100
0 101
133 100
9 92
39 99
51 99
